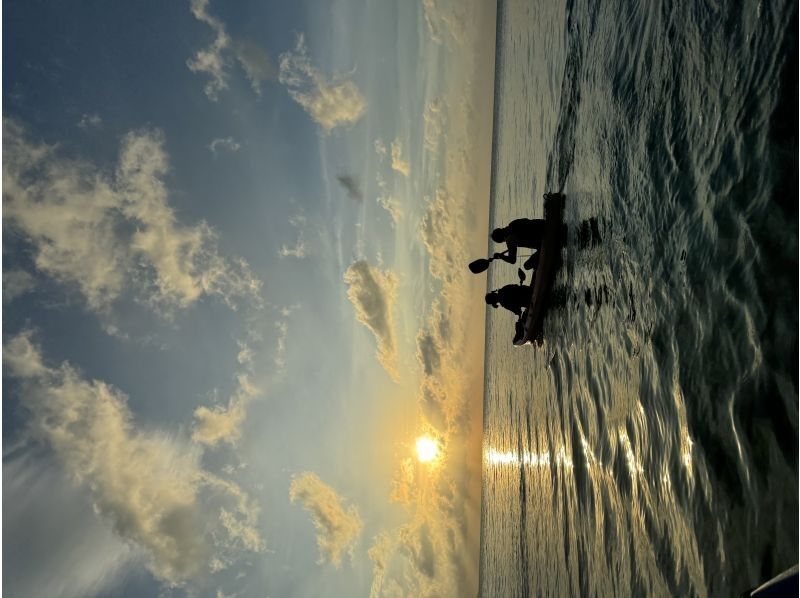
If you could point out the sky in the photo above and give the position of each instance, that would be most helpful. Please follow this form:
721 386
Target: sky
234 297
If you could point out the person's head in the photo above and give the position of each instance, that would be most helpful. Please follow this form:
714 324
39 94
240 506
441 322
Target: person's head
491 298
499 235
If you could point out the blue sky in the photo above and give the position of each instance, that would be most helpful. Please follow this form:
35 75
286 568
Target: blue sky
234 296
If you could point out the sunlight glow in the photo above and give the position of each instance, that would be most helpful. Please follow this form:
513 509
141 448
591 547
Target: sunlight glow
560 458
427 449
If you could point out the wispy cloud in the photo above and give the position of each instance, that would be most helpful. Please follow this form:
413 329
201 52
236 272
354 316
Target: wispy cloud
150 487
398 163
380 554
330 102
16 283
299 248
224 423
338 528
215 59
90 121
108 234
372 293
392 206
445 20
228 144
434 124
211 60
380 147
256 63
350 184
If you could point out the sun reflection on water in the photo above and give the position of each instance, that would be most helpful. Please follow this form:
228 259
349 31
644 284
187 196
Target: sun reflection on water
560 458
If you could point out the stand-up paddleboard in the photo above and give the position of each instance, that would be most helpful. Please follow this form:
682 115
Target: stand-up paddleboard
530 323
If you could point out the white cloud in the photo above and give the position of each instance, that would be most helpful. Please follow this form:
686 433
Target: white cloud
90 120
151 488
391 205
299 248
16 283
434 124
380 147
330 102
108 234
398 163
337 529
223 424
214 60
372 293
280 350
227 144
211 60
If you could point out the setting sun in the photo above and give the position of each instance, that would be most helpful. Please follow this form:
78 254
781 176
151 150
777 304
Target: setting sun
427 449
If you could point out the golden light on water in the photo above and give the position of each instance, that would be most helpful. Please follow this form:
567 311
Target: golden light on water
427 449
559 458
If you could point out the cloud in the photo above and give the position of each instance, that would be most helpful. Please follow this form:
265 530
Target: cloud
331 103
107 234
372 293
434 124
299 249
211 60
380 553
223 424
16 283
214 60
398 163
444 22
337 529
391 205
61 547
442 232
350 184
228 144
282 327
90 120
256 63
150 487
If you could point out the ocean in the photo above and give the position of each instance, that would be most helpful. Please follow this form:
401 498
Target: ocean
649 447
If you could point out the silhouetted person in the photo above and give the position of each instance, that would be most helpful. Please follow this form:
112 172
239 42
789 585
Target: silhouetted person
514 297
522 232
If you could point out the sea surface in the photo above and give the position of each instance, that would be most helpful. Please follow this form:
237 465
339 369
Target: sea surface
650 445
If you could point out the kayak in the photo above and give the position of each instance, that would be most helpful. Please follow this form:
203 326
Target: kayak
529 327
779 586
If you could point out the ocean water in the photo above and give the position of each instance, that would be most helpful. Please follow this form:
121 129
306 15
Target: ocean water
649 447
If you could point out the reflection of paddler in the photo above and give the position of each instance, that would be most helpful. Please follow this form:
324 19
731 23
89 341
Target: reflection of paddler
513 297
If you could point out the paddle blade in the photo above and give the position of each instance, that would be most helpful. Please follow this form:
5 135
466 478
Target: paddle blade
479 265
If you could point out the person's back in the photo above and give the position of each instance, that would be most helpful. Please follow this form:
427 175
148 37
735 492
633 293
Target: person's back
524 232
515 297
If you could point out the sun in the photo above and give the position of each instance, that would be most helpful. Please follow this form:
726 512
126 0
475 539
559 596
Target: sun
427 449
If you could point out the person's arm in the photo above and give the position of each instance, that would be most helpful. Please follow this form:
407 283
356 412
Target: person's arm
509 255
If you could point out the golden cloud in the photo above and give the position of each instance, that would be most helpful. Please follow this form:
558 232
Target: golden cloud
151 488
338 528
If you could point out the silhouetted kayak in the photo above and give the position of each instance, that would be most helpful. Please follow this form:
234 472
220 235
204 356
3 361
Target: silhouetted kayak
780 586
542 282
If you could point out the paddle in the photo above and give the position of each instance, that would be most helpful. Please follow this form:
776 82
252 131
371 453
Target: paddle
482 264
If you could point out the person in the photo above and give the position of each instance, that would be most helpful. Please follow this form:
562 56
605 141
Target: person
513 297
522 232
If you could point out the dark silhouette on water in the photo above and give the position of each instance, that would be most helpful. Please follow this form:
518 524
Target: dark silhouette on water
522 232
482 264
513 297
